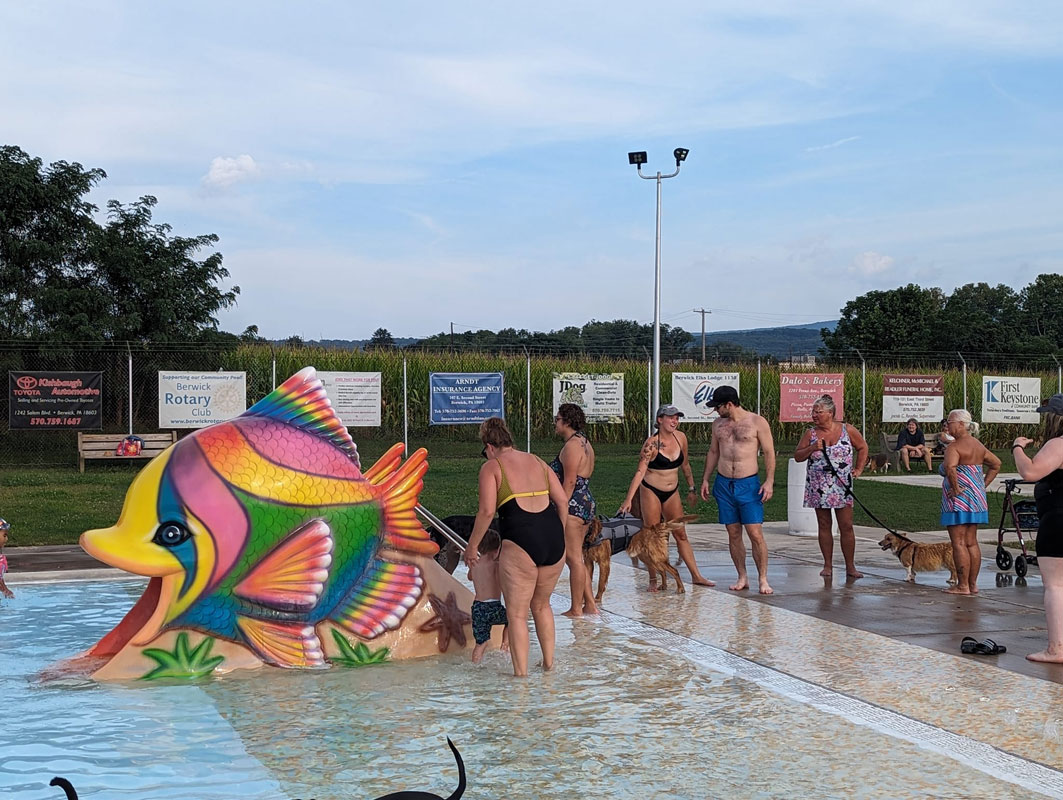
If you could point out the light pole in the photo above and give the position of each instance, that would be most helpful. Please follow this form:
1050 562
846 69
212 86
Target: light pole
638 159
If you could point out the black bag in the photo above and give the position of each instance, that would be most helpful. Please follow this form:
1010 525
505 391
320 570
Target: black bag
618 531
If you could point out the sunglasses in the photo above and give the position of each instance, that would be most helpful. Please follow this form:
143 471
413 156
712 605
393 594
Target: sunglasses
483 453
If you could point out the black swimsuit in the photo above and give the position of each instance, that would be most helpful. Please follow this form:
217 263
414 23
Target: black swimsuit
660 462
1048 494
537 533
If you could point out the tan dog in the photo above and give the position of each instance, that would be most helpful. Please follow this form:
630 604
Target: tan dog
919 557
879 462
600 554
650 545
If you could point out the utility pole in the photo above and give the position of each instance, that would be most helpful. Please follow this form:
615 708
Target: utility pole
703 312
452 337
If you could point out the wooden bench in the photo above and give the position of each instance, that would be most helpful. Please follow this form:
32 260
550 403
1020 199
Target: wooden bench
102 445
888 443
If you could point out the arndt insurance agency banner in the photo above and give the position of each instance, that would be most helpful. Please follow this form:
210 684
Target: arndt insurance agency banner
907 396
1010 399
600 396
692 390
798 392
355 397
200 399
55 400
465 398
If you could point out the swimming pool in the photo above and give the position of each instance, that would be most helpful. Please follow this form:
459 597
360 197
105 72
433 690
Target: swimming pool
622 716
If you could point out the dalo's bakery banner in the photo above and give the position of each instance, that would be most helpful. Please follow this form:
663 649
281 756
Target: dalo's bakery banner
798 392
1010 399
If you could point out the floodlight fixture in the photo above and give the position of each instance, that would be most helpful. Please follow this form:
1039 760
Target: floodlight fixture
637 159
680 154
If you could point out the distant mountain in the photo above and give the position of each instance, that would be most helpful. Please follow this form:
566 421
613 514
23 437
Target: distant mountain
782 342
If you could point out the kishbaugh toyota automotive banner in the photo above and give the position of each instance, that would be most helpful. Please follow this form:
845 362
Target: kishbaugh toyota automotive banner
692 390
54 400
1010 399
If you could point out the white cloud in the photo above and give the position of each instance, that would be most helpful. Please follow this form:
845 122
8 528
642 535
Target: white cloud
871 263
225 172
832 145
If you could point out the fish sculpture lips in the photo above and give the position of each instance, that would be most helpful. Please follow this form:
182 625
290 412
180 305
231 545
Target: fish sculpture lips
258 530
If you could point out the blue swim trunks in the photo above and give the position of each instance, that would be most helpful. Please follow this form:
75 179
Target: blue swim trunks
738 499
485 615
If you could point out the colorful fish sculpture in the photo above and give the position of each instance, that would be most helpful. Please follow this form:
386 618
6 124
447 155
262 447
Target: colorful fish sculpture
263 534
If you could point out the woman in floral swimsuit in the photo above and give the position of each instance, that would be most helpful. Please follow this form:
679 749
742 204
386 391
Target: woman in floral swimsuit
574 466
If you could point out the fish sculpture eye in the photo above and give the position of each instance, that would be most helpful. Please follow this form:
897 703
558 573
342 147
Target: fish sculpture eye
171 534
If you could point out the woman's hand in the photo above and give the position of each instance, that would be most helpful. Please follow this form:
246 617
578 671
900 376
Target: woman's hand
1022 442
470 557
625 508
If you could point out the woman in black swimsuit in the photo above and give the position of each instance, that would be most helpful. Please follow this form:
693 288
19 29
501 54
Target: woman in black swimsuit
657 483
532 511
1047 469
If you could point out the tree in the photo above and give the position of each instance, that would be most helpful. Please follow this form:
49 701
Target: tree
382 340
1041 312
979 318
907 319
66 277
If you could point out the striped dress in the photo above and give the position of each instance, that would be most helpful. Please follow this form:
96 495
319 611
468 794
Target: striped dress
970 507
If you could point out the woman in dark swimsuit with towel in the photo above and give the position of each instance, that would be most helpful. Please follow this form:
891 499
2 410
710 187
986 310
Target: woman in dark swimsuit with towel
532 511
657 483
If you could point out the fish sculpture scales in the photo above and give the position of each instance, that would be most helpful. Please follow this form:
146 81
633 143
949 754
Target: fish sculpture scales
265 544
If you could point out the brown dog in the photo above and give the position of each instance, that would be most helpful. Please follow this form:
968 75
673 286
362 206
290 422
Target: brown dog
880 462
919 557
650 545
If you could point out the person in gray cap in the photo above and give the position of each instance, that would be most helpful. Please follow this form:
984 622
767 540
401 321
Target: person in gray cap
657 483
1047 469
736 436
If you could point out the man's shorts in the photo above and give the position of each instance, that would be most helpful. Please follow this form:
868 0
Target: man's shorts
738 499
485 615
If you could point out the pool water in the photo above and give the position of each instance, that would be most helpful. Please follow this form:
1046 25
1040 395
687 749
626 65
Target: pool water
618 718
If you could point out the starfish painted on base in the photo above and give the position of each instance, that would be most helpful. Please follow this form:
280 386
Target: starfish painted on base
449 621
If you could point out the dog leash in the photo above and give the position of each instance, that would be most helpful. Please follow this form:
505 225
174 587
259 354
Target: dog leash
849 490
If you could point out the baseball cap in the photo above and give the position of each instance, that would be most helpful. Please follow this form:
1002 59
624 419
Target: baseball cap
723 394
668 410
1053 405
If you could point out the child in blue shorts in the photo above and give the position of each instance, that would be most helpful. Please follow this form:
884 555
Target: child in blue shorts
487 608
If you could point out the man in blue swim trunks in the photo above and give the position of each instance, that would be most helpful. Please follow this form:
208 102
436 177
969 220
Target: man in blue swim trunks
736 437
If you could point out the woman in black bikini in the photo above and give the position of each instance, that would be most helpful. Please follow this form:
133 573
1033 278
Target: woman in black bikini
532 511
657 483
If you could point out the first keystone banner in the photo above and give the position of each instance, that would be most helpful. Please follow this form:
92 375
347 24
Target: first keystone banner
54 400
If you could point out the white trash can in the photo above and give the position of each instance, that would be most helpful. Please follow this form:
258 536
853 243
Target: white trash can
802 521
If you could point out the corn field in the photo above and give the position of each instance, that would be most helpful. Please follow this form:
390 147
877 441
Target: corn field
137 366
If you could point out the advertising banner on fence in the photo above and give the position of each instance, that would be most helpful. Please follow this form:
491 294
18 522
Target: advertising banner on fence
1010 399
200 399
465 398
692 390
799 390
54 400
355 397
600 396
907 396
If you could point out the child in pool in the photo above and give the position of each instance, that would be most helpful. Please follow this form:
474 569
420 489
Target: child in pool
5 526
487 608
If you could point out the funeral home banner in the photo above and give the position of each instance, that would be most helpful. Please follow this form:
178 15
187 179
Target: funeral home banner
907 396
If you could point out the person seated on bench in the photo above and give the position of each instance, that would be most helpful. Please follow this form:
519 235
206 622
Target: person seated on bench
943 439
911 443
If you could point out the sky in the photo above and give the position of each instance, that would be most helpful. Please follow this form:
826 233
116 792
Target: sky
411 165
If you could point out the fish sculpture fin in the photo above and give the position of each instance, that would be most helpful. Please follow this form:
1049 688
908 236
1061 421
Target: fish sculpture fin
292 576
380 599
301 401
283 644
398 485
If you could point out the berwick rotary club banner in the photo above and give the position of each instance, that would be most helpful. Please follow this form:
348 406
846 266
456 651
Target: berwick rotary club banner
908 396
691 391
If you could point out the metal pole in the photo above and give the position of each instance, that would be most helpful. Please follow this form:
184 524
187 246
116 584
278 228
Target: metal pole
130 415
405 411
273 358
758 385
649 400
528 407
964 379
703 312
1059 376
863 395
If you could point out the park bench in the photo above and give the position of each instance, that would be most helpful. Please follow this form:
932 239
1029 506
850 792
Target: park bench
888 443
103 445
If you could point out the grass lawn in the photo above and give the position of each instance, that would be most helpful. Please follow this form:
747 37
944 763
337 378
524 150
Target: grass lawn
54 505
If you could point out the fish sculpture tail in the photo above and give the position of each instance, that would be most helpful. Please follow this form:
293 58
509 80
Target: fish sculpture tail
399 484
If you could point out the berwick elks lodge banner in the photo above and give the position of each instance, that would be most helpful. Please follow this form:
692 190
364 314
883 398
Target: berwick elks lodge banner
55 400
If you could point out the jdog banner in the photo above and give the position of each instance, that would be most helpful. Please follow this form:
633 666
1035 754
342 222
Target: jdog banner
355 397
907 396
465 398
54 400
798 391
600 396
200 399
1010 399
692 390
